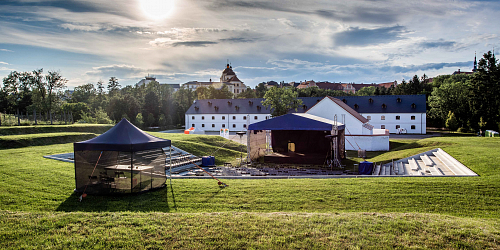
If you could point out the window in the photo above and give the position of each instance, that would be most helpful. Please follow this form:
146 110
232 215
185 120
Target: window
237 91
398 100
234 125
192 125
203 117
397 117
413 105
384 106
369 117
192 117
213 125
223 118
213 117
203 125
267 117
234 117
413 117
255 118
382 117
244 117
223 125
244 125
412 126
382 126
356 106
344 100
370 100
397 126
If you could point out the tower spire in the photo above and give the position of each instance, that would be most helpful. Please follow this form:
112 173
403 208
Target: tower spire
475 63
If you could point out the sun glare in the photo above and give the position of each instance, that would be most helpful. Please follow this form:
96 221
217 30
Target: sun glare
157 9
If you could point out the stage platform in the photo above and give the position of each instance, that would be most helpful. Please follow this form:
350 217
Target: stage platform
295 158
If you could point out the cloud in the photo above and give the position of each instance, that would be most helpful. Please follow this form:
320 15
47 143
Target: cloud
425 67
6 50
238 40
438 44
115 70
4 63
193 43
356 36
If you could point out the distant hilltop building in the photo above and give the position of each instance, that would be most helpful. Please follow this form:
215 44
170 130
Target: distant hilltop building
465 72
228 77
149 79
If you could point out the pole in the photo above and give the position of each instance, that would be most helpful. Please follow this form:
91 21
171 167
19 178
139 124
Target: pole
170 172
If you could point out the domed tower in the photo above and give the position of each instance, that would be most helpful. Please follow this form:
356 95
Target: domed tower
227 74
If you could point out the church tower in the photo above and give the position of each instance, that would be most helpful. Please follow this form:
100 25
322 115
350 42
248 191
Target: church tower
475 63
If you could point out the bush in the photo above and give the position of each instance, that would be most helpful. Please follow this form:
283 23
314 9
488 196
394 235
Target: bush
452 122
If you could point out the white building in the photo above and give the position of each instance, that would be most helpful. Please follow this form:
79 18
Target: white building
228 77
363 116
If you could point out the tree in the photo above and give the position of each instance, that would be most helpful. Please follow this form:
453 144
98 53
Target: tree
55 83
162 121
281 100
248 93
452 122
484 98
452 96
83 93
151 104
113 86
366 91
260 90
139 120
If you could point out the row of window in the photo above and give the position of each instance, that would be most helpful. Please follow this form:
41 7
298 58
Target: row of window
397 126
383 117
224 117
223 125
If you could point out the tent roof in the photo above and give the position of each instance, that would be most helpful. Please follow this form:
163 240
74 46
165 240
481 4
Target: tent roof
296 122
124 136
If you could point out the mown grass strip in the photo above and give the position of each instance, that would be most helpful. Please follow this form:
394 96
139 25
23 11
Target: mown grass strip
245 230
20 130
18 141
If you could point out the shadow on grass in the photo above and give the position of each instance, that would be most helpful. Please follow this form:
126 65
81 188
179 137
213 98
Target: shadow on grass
161 200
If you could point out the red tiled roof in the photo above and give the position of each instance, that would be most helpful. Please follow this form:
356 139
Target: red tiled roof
329 85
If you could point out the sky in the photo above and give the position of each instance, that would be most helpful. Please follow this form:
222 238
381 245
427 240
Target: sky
361 41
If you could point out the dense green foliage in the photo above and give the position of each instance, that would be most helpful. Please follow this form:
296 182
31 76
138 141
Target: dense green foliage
281 100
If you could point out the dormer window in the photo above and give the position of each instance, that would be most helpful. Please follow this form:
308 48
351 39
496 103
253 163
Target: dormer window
237 108
259 107
304 106
229 103
216 108
344 100
250 103
370 100
398 100
356 106
384 106
196 108
209 103
413 105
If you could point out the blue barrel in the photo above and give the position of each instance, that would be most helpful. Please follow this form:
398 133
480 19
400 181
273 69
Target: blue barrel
208 161
365 168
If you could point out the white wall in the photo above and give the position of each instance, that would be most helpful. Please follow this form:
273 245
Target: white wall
368 143
238 121
326 108
405 121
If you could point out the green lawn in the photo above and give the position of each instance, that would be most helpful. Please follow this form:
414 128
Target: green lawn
40 208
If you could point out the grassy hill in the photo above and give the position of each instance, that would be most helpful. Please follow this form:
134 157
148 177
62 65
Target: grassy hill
38 206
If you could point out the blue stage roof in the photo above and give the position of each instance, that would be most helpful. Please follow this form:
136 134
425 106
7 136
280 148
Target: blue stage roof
296 122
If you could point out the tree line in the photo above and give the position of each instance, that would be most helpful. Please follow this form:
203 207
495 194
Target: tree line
464 102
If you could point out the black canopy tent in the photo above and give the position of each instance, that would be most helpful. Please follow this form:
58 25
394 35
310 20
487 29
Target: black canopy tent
123 160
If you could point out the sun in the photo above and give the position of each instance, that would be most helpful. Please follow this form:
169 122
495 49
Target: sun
157 9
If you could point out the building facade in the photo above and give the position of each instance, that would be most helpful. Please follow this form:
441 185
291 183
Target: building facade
228 77
384 112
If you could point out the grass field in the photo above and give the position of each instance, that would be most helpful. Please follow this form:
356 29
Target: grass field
39 209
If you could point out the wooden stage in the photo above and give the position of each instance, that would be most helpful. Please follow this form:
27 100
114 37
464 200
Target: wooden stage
295 158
